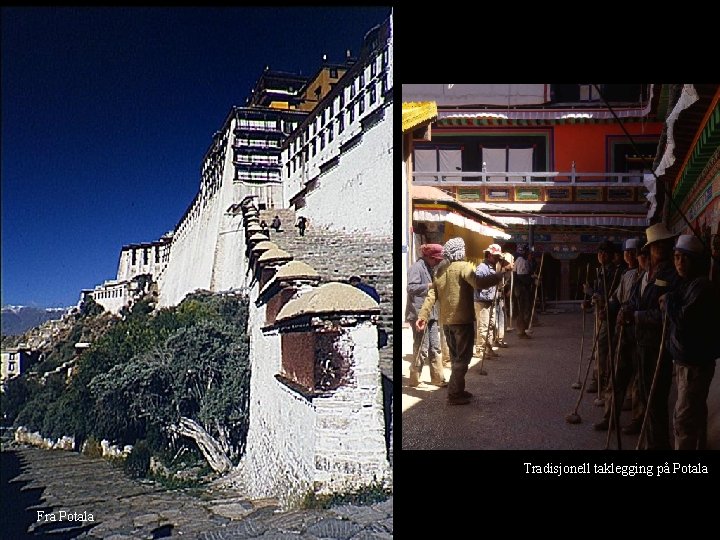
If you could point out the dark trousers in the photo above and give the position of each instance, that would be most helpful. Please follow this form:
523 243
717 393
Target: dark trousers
657 436
603 375
523 302
624 371
460 340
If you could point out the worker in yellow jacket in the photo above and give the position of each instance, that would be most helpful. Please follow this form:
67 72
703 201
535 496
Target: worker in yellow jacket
453 287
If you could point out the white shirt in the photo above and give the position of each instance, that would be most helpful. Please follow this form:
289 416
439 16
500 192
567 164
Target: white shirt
522 266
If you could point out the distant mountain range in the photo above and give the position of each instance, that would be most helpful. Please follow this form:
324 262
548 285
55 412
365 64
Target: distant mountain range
18 319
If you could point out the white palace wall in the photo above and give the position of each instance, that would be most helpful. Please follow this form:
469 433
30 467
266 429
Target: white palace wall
357 194
206 252
279 456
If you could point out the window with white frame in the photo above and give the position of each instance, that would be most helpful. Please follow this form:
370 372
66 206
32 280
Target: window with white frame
443 158
507 159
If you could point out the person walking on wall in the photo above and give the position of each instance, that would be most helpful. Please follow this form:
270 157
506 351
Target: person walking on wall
453 288
371 291
426 345
276 224
301 225
265 228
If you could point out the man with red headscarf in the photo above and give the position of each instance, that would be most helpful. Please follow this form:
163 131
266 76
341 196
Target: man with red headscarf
426 344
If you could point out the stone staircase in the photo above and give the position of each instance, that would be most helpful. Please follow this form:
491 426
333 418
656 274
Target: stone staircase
337 255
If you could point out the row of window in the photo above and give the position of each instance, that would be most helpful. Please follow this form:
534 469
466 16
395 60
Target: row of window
266 125
327 134
257 176
248 123
112 293
262 159
356 87
259 143
145 255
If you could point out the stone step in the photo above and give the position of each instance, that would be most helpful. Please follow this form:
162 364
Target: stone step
337 255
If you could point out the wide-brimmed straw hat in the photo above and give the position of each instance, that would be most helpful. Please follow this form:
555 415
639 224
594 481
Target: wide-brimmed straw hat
657 232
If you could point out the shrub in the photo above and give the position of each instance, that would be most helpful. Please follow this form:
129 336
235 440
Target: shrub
90 308
92 448
137 463
366 495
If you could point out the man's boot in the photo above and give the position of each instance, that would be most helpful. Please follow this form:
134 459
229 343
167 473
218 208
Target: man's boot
437 372
414 377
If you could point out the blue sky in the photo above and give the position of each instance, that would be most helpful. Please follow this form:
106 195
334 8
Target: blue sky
108 112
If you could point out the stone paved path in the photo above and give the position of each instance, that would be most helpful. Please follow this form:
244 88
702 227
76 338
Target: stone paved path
51 481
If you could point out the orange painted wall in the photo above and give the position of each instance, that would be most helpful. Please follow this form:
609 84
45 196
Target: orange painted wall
586 144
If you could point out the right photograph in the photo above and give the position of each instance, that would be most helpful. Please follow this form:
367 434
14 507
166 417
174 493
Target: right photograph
560 266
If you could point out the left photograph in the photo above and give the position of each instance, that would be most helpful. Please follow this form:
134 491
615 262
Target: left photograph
197 272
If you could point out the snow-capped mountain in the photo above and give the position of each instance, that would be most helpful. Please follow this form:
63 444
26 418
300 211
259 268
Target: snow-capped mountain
18 319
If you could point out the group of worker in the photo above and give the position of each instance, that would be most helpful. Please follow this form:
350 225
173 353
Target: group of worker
656 314
469 302
655 320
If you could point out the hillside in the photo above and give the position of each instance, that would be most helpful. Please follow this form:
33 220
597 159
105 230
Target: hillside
147 377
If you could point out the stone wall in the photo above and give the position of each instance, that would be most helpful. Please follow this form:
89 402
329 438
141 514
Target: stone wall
337 255
350 426
24 436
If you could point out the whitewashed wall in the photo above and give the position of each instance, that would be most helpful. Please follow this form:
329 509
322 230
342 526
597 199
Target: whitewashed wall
279 457
112 296
127 270
331 444
206 252
362 182
350 425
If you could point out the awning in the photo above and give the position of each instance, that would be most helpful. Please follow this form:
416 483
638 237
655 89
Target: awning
416 114
587 113
586 220
447 215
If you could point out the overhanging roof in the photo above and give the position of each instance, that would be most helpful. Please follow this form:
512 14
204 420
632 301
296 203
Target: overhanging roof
418 113
619 220
434 205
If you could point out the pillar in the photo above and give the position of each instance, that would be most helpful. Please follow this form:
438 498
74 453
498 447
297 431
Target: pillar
564 279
